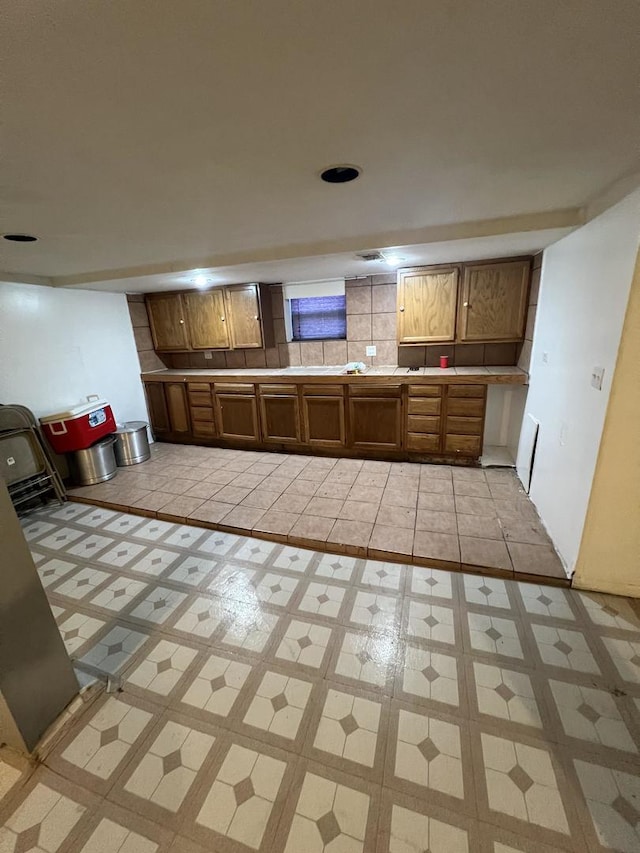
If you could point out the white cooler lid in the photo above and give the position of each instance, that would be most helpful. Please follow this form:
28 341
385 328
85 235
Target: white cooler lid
76 411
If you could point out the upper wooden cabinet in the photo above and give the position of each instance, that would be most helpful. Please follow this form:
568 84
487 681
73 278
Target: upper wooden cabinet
243 307
494 301
207 319
167 321
234 317
427 302
488 306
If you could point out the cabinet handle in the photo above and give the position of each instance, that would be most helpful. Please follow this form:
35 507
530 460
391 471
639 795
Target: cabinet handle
466 305
402 308
256 317
182 322
223 319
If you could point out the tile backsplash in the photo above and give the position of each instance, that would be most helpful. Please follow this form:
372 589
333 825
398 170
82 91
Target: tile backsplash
371 320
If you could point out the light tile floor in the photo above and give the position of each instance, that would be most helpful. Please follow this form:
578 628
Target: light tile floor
437 515
276 699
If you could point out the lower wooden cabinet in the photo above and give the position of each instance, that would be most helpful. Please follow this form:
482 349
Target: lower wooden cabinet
176 395
323 416
157 405
237 412
375 419
439 420
280 414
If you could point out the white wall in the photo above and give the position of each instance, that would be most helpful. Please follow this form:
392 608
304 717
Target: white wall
57 346
586 278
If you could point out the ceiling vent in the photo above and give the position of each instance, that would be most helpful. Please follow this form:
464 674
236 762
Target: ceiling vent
370 256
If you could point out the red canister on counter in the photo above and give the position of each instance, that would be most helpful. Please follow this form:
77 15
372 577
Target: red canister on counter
444 361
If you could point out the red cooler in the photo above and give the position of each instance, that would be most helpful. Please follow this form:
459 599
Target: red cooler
80 427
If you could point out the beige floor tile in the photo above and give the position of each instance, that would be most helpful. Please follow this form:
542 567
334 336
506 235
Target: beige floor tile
391 540
484 552
535 560
436 502
396 516
312 528
355 533
359 511
479 526
277 522
475 506
261 498
437 522
436 546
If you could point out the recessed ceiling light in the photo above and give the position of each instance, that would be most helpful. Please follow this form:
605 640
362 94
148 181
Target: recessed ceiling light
201 280
20 238
392 259
340 174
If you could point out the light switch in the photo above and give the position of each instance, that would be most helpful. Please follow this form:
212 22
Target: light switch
11 460
371 350
208 354
597 375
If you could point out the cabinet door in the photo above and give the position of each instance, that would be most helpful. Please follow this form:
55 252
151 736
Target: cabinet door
375 423
427 301
207 320
157 405
237 416
494 301
166 318
176 395
280 418
324 420
243 310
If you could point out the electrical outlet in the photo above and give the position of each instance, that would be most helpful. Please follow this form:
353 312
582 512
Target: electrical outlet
371 350
11 460
597 375
208 354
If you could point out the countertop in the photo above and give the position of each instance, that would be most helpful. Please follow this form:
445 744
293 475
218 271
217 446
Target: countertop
495 374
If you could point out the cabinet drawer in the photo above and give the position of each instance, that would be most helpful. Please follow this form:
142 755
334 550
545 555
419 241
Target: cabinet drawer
422 442
277 389
422 423
425 390
424 406
200 398
467 445
464 426
375 391
204 428
467 407
467 390
201 413
199 386
234 388
323 390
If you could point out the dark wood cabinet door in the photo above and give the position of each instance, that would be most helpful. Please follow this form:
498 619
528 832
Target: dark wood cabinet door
375 423
280 416
243 312
207 320
177 406
324 421
494 301
237 416
427 301
167 321
157 405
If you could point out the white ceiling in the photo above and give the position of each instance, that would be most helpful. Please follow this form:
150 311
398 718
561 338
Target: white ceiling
144 139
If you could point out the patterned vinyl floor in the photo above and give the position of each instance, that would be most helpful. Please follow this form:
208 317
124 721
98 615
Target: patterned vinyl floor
278 699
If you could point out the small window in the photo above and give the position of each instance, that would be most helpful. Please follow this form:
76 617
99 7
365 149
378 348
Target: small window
319 318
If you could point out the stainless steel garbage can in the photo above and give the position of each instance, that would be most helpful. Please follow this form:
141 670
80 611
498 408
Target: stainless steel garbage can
95 464
132 443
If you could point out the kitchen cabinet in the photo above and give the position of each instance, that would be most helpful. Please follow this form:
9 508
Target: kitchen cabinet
206 320
424 418
243 307
168 409
464 420
157 405
280 414
236 411
223 318
494 301
375 418
176 395
167 322
427 300
323 415
201 409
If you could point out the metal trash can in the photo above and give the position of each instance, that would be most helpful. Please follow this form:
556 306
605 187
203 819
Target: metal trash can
95 464
132 443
